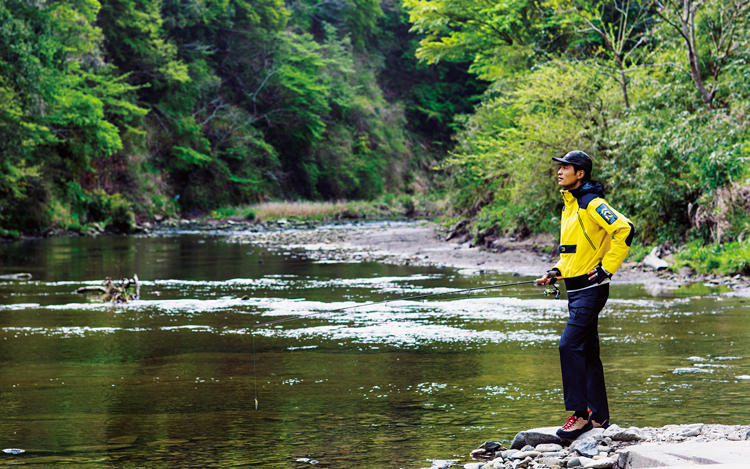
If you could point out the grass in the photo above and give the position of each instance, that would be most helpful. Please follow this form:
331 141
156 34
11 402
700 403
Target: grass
387 206
720 258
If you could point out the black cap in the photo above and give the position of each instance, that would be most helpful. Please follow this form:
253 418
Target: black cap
579 159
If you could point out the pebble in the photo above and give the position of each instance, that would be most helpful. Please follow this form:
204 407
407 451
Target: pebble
526 454
551 462
555 454
442 463
13 451
508 453
586 447
600 463
548 447
619 434
497 462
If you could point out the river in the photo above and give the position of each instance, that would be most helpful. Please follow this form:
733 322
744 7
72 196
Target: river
172 379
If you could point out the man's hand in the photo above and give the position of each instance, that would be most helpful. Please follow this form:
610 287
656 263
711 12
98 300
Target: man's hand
549 277
598 275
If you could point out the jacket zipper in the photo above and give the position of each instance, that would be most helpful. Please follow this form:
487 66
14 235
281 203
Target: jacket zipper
584 231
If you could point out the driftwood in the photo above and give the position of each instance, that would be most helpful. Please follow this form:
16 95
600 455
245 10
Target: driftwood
116 292
91 290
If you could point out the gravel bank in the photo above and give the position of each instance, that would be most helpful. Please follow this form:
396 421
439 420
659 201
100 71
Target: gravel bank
619 448
423 243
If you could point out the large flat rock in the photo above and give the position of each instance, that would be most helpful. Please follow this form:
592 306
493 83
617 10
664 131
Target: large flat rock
647 455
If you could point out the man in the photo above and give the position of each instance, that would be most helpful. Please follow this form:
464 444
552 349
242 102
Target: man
594 240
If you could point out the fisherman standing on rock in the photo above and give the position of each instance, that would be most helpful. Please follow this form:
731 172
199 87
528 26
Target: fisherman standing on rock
594 240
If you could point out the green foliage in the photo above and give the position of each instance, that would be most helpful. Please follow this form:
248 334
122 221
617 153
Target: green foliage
724 258
675 168
508 143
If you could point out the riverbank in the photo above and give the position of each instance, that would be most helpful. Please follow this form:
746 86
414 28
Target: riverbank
425 243
622 448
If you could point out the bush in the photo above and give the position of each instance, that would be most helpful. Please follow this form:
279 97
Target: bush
113 212
722 258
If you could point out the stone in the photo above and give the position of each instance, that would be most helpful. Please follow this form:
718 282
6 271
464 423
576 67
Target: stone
735 436
574 462
473 465
654 261
19 276
13 451
554 454
536 436
523 463
620 434
508 453
595 433
526 454
603 463
585 447
487 450
686 454
442 463
548 447
551 462
692 430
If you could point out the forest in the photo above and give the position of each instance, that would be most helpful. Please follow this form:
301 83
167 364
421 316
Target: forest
115 111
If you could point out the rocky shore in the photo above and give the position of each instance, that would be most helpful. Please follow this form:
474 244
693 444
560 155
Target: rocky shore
425 243
618 448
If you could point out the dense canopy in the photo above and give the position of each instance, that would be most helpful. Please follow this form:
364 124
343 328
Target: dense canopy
121 108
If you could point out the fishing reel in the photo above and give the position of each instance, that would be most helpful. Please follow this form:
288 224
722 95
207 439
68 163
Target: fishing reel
552 290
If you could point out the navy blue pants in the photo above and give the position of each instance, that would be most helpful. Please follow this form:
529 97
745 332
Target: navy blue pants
582 372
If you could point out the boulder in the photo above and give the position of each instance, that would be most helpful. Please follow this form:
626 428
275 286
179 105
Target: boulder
536 436
735 453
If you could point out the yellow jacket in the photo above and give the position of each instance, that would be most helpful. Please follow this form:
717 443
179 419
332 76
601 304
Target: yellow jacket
591 233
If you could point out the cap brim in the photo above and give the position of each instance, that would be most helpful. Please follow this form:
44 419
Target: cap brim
560 160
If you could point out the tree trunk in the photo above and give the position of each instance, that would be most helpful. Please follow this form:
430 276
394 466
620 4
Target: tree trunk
623 81
687 20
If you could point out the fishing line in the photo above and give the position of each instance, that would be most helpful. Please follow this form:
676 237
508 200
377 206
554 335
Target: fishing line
255 373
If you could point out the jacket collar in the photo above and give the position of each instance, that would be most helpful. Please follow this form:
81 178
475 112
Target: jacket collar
588 187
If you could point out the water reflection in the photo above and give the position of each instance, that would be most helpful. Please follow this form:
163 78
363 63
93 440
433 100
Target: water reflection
169 380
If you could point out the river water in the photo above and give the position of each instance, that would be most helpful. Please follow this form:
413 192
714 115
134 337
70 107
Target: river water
172 379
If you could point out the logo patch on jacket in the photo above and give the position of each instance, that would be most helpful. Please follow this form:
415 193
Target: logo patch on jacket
606 213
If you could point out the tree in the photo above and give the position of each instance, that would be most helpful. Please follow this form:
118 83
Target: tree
621 26
497 37
716 28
